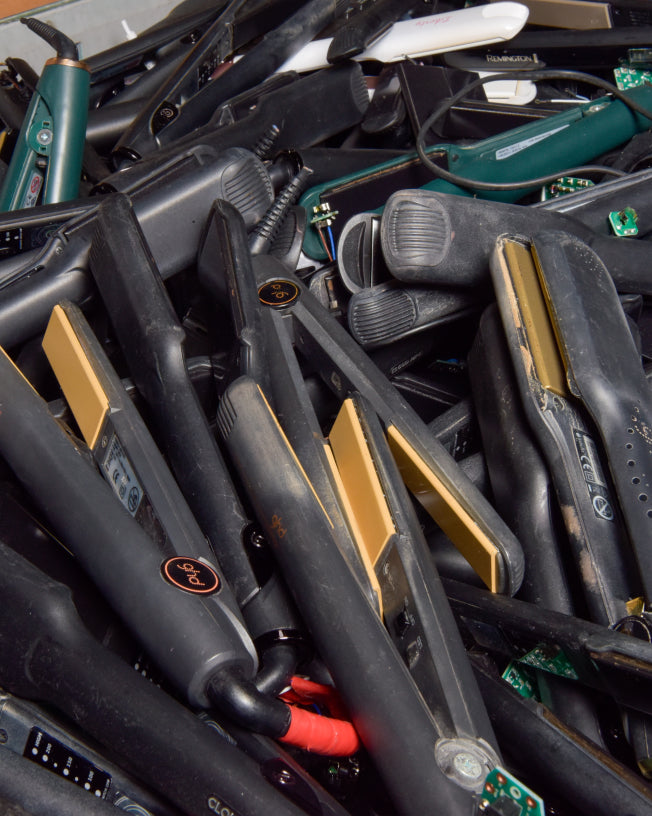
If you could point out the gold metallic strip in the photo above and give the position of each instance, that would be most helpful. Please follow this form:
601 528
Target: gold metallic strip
4 353
546 356
455 521
361 482
355 531
68 62
77 378
294 456
635 606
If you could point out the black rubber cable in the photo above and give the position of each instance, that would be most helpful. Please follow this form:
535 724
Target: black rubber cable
238 698
279 664
461 181
63 45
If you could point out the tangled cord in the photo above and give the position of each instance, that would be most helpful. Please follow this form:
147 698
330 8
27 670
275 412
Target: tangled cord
533 75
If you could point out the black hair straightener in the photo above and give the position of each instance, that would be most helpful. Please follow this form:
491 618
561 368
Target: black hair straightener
424 238
289 105
163 104
595 451
65 746
277 322
50 656
179 106
136 302
604 372
131 56
590 50
525 496
58 269
422 757
567 437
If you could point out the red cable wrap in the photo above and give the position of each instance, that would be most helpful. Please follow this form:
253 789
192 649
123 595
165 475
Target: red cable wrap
321 735
307 691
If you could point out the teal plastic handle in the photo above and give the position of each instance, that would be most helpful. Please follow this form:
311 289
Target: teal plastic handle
46 163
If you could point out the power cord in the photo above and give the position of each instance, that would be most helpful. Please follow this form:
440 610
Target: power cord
534 75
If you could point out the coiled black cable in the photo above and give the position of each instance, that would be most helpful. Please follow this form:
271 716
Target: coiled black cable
534 76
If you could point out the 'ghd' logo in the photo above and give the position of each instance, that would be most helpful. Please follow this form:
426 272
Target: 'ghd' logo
278 293
191 575
277 526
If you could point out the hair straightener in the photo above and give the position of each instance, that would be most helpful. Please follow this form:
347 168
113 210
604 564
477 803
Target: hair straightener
424 36
179 107
423 239
136 301
50 656
352 473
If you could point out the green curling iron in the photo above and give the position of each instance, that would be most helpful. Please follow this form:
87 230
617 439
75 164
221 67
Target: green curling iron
45 166
539 148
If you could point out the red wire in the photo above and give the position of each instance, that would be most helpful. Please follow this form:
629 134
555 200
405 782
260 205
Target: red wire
330 736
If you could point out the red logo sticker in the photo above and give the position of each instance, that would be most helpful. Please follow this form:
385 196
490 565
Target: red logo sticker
191 575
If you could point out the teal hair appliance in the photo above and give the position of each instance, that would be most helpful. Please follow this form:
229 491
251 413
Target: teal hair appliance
45 166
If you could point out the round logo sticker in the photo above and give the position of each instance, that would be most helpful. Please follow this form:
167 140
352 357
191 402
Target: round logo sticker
603 508
278 293
191 575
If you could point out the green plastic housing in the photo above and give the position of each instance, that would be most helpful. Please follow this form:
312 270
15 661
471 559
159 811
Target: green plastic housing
544 146
48 152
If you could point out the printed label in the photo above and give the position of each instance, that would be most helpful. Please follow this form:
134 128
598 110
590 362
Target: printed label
593 475
511 58
121 476
216 805
47 751
123 802
510 150
11 242
31 196
191 575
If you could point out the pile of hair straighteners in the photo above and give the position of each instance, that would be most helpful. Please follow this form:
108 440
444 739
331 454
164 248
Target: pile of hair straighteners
325 413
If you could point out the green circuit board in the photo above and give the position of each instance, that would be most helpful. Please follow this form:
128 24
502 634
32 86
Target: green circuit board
503 795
